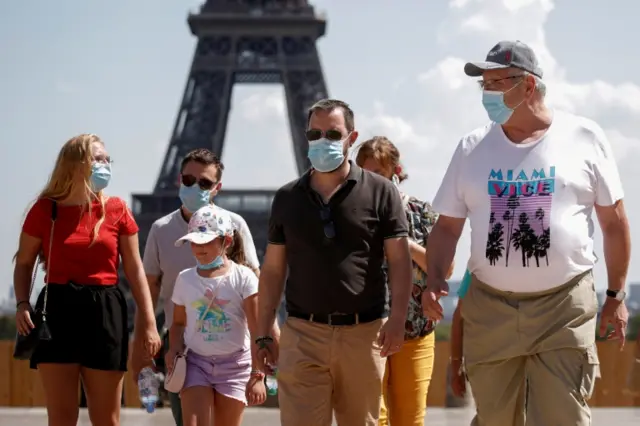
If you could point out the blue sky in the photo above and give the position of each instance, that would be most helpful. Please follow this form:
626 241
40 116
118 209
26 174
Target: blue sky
118 69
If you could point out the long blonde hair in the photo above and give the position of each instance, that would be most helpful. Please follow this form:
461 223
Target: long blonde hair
75 158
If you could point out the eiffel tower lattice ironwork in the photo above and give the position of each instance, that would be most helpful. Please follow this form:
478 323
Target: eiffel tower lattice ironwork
240 41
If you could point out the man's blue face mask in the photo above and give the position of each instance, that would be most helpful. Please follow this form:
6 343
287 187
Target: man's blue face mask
493 102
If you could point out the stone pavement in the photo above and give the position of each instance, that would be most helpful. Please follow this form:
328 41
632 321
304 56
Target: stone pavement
269 417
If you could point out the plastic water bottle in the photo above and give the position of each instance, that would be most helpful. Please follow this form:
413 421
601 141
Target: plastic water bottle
148 385
272 384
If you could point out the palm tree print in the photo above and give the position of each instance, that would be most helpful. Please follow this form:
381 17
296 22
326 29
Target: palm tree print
543 239
520 228
509 216
524 239
495 243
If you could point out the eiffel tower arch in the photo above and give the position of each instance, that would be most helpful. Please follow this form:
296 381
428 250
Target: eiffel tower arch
240 42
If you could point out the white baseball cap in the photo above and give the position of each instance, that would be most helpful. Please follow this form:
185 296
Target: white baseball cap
207 224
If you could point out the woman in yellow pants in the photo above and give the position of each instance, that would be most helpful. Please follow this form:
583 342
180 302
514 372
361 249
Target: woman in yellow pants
408 372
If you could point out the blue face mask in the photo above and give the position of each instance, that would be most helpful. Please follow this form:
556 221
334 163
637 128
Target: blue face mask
325 155
194 198
100 176
497 110
214 264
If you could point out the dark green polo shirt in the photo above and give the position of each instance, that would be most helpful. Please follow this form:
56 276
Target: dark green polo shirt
335 252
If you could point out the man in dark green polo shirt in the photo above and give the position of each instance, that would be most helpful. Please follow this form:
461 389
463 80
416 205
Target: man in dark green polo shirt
331 228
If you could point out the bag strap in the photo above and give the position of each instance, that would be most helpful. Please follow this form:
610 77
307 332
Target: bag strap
54 216
204 313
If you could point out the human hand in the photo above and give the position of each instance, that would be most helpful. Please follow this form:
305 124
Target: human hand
458 380
435 289
149 340
24 324
267 354
256 391
169 359
614 313
391 336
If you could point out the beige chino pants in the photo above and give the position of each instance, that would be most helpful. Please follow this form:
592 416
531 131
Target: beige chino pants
325 370
547 338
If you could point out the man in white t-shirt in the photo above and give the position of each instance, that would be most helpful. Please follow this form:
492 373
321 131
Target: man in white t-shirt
200 180
529 182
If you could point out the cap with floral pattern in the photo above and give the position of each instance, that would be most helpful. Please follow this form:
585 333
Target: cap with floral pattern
207 224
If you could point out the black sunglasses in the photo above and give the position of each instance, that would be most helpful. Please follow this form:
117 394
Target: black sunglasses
332 135
190 180
328 226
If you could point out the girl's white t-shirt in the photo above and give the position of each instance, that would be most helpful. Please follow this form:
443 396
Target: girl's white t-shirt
223 329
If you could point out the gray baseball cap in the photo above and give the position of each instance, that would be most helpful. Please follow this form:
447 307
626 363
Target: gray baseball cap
506 54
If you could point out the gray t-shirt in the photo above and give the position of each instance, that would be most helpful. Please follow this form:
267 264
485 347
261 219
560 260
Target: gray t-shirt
162 258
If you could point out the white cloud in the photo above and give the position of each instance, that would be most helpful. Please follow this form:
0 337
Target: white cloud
264 105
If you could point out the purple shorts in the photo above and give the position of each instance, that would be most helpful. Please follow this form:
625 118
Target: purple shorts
227 374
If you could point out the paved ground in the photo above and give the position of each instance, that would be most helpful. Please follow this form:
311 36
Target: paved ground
269 417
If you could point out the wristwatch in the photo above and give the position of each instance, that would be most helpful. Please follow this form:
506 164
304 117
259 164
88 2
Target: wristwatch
619 295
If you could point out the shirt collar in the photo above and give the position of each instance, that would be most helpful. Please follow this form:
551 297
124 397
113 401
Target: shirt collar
355 174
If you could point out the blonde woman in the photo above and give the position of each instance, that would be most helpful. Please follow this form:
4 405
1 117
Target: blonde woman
408 372
85 310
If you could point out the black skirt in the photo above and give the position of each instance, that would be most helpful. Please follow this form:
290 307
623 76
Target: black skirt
88 325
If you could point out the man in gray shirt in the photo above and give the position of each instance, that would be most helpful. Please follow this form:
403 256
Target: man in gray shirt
200 180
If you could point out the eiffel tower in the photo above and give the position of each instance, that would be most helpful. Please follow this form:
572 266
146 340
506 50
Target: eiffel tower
240 41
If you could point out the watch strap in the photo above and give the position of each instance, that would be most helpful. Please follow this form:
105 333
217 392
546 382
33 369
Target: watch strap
619 295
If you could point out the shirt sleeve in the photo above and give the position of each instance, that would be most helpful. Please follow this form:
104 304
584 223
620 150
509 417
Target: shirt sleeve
608 184
249 246
249 283
276 230
178 291
127 225
428 218
464 285
393 216
449 200
151 255
38 219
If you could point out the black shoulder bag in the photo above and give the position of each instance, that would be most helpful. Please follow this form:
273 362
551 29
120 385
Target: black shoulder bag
26 345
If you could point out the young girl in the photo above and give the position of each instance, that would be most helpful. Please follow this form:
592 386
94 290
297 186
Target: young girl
215 314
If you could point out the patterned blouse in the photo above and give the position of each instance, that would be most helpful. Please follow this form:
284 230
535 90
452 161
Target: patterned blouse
421 218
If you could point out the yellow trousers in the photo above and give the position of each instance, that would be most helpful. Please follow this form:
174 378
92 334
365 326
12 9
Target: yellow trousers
406 383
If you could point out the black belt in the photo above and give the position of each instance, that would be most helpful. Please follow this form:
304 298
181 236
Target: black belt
341 319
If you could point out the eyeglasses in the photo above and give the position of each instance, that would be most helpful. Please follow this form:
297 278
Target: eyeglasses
328 225
483 84
332 135
190 180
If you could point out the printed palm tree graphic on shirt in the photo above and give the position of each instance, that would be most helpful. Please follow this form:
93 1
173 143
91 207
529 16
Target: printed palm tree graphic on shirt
520 208
215 321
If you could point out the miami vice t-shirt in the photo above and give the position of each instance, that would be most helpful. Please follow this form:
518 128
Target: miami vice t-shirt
223 329
530 205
